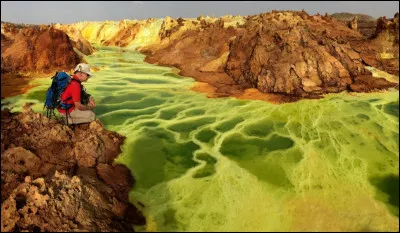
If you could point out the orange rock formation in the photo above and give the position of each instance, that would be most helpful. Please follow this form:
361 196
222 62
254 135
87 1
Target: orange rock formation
36 49
290 53
33 49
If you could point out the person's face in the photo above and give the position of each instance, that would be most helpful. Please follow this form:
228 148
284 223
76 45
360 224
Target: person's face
83 77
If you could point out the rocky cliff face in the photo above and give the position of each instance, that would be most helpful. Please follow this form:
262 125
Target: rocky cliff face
36 49
54 178
78 41
124 33
198 50
294 54
382 50
289 53
134 33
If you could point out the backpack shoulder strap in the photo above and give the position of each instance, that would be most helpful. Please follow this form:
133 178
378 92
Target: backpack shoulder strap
72 79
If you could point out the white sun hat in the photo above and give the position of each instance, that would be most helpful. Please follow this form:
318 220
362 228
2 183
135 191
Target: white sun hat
83 67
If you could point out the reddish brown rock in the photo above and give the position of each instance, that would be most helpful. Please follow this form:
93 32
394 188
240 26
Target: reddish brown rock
20 161
62 203
367 83
382 51
281 52
55 178
200 52
29 49
118 177
14 84
9 181
294 55
37 49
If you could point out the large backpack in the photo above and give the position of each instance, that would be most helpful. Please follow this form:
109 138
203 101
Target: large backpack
53 94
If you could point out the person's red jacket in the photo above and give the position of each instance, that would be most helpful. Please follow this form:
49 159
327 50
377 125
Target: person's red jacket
73 90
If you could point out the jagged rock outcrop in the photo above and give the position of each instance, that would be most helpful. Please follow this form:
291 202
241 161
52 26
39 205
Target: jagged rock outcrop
367 83
285 52
36 49
61 203
174 29
200 52
124 33
365 24
294 55
382 50
78 41
133 33
54 178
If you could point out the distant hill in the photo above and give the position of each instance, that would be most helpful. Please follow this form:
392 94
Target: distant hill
20 25
366 24
344 16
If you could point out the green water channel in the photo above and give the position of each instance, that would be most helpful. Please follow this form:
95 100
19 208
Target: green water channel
225 164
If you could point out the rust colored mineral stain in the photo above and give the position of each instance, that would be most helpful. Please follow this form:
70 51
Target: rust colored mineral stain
14 84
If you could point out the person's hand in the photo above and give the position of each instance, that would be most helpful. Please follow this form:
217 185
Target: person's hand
91 102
